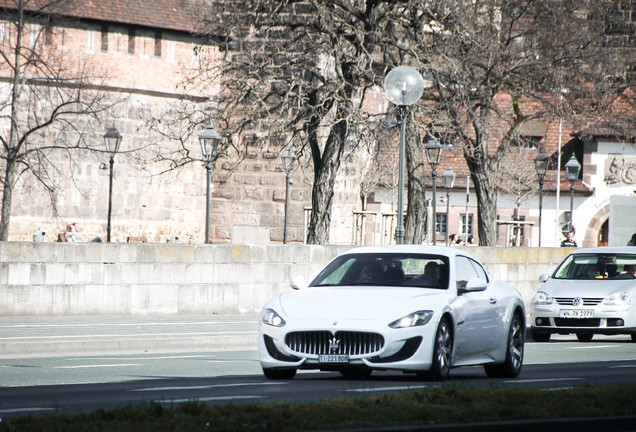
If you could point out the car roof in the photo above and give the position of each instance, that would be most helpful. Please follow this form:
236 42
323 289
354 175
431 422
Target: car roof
606 249
420 249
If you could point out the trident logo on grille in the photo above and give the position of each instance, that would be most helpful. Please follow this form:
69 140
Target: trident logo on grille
334 345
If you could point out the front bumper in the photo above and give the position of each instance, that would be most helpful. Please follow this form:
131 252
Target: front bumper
609 320
407 349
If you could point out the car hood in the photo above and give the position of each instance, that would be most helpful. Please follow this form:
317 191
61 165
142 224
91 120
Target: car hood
586 288
359 302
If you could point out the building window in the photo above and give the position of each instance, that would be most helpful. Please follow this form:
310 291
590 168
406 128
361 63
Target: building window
527 142
170 51
104 38
463 222
131 41
441 224
48 35
157 44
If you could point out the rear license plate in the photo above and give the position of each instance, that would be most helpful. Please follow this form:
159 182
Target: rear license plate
576 313
333 358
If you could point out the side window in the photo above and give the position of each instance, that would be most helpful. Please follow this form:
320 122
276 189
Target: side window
481 272
464 270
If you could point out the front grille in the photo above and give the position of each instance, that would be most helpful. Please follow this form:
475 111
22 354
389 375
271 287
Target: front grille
585 301
342 342
577 322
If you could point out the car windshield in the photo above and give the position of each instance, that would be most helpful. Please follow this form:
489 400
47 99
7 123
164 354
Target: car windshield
389 269
597 266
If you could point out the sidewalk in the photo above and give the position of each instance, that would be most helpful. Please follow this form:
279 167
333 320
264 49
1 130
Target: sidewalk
22 337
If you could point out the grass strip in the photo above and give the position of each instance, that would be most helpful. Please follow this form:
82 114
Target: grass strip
435 405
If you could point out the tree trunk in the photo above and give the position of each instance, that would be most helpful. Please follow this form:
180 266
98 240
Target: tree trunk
325 171
7 194
416 215
486 203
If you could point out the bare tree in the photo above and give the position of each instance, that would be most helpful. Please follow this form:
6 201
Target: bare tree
496 65
48 104
298 72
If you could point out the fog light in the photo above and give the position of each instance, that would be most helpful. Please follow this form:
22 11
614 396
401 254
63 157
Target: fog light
539 321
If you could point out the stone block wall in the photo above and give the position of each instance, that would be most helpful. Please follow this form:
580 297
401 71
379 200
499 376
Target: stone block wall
146 279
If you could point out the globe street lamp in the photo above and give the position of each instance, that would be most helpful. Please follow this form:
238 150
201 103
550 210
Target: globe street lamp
448 177
433 156
112 139
541 166
287 157
209 140
403 86
573 168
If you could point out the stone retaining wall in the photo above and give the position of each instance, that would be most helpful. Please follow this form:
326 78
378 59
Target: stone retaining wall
143 279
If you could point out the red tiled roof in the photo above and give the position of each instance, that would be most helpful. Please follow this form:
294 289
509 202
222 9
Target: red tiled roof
160 14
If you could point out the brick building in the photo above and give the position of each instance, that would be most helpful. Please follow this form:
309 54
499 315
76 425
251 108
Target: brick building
141 52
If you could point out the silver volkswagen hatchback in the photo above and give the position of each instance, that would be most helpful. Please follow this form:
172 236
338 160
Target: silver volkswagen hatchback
592 291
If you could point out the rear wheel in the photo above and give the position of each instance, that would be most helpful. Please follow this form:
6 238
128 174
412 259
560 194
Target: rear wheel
584 337
539 336
511 367
279 374
442 352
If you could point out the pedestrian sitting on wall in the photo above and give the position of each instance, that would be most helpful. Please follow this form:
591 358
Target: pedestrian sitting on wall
73 234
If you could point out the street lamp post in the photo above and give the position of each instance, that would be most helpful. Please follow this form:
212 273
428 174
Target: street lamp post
541 166
209 140
448 177
573 168
287 157
433 156
112 139
403 86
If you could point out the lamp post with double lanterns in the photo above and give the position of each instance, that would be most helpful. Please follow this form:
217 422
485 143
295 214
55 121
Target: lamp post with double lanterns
112 140
209 140
448 177
573 168
541 167
403 86
287 158
433 151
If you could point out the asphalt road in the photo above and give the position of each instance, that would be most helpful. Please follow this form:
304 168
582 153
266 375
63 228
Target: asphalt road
80 364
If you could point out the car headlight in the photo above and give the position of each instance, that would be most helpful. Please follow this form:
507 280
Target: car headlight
542 298
618 299
270 317
418 318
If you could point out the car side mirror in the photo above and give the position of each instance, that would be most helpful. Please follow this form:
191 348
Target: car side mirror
544 277
298 283
471 285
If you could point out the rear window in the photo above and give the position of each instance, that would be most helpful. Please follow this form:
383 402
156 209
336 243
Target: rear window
597 266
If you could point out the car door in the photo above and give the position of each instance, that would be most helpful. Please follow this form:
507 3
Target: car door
475 313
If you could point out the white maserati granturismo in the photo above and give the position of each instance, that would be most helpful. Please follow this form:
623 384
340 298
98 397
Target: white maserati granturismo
415 309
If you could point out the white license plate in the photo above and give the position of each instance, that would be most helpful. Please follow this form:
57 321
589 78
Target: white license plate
333 358
576 313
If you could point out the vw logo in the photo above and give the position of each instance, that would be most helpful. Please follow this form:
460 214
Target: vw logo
576 301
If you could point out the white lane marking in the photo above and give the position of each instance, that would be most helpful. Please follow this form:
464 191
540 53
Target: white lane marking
23 410
85 336
400 388
123 324
97 366
204 387
209 399
623 366
149 357
583 347
543 380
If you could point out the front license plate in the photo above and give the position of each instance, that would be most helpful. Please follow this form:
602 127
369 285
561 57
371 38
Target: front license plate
333 358
576 313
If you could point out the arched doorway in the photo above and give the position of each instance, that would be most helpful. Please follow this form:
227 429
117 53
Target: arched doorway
603 234
598 229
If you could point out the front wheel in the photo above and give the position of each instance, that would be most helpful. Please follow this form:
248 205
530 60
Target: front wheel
442 352
540 336
511 367
584 337
279 374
